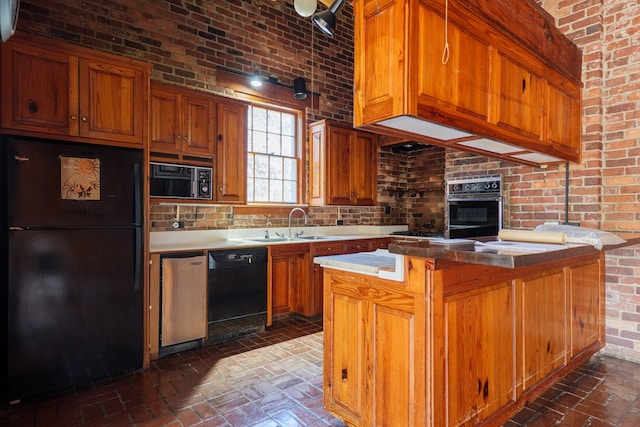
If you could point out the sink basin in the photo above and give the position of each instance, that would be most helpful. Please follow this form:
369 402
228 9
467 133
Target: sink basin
314 237
272 239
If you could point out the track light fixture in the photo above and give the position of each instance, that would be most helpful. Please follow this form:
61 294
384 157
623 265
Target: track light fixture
326 20
256 80
299 88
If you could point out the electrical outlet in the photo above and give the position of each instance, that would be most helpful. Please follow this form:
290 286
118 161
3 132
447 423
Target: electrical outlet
339 222
176 225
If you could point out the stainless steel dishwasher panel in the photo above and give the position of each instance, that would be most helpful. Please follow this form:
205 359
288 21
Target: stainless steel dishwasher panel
184 298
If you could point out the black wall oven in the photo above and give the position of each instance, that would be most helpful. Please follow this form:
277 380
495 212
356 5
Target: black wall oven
474 207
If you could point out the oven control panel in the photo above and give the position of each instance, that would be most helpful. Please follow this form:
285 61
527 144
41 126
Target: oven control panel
491 185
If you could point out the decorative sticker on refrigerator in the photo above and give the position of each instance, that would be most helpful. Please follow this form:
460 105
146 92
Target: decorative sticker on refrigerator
80 178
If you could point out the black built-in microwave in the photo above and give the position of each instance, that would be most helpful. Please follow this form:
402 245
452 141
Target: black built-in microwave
172 181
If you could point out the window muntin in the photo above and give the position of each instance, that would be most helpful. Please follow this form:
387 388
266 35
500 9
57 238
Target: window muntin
272 155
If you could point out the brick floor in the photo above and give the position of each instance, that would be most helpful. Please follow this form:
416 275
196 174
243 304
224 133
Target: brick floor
274 378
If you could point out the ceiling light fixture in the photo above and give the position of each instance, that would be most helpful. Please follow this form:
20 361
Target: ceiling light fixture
326 20
256 80
305 8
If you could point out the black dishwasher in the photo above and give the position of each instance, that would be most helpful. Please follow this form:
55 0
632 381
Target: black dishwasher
237 293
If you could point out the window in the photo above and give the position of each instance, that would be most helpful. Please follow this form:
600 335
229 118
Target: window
273 155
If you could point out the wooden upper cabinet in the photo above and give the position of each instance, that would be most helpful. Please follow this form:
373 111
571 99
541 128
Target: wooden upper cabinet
67 90
456 79
231 152
520 99
111 100
343 165
165 120
182 122
481 79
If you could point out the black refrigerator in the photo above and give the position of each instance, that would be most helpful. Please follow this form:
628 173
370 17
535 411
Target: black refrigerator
72 256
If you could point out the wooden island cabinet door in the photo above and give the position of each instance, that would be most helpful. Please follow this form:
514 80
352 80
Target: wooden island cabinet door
479 349
543 326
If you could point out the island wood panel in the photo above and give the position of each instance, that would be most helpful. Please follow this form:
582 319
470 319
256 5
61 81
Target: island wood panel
484 342
587 305
543 324
479 333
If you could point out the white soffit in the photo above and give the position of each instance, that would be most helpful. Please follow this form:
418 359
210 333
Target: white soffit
537 158
422 127
490 145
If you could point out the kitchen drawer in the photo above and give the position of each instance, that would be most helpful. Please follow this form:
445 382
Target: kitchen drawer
328 248
353 246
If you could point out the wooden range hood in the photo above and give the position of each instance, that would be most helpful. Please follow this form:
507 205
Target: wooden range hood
510 88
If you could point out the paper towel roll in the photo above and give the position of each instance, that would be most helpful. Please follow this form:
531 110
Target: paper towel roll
533 236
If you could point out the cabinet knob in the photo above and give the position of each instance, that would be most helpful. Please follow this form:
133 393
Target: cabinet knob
74 117
84 119
178 137
185 138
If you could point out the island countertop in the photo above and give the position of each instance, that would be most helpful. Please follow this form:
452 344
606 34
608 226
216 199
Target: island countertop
466 251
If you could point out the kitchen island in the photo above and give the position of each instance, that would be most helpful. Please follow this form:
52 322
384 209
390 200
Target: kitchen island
466 338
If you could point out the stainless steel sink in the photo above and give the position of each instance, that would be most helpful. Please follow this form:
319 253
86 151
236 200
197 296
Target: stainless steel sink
272 239
314 237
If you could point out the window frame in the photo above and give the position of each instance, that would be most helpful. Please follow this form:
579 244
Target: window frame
301 155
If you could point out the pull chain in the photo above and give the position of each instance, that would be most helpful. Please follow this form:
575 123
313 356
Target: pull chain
445 52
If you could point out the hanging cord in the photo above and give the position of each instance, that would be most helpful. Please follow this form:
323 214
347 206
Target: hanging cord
445 51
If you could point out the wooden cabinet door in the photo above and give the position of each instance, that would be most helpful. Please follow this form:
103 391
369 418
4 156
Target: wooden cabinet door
479 350
364 168
586 287
520 100
345 356
317 287
231 153
290 279
462 82
43 94
564 116
544 326
113 101
281 278
165 121
338 167
198 115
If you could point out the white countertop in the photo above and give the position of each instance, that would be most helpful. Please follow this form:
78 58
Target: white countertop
379 263
181 240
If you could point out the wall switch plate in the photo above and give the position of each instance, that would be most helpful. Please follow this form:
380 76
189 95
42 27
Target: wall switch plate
339 222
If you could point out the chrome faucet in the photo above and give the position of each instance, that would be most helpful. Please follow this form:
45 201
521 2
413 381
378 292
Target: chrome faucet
291 213
266 232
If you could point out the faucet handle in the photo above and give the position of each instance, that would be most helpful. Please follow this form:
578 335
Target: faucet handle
300 233
279 235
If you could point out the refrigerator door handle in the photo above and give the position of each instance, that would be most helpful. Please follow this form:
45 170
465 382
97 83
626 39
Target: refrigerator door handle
137 214
138 258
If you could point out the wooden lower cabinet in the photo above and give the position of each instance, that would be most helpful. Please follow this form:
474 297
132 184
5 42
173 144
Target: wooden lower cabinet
289 275
456 344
